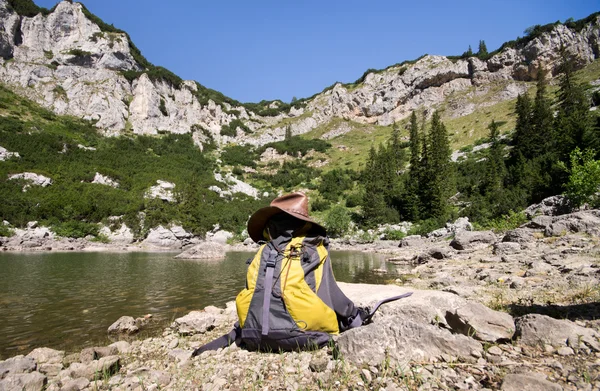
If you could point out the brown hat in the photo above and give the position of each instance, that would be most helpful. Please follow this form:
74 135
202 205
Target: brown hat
294 204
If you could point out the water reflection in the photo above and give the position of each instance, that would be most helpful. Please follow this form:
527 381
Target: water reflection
68 300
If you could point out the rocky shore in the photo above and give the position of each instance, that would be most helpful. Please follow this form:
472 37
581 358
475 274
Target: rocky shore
513 311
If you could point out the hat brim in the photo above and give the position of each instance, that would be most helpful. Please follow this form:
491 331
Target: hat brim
258 221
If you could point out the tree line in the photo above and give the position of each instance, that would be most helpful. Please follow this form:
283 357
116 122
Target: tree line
553 150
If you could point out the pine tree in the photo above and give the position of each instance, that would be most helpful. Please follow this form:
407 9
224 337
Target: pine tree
523 128
436 182
415 145
468 53
495 168
541 130
482 49
573 123
288 133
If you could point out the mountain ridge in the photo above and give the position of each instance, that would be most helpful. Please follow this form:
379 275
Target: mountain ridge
98 74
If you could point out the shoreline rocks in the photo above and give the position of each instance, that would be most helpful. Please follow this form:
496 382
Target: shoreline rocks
517 312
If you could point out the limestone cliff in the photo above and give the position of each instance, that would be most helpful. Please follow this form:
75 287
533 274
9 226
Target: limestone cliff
67 63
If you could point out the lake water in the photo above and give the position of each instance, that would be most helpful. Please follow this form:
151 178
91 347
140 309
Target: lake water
67 300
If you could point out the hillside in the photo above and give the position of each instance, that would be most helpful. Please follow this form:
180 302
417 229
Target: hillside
69 79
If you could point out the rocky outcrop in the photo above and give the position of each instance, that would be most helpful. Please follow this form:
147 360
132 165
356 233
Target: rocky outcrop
162 237
31 179
5 154
104 180
67 63
536 330
233 186
163 190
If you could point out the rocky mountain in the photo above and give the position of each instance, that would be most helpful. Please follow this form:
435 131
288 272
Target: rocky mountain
72 65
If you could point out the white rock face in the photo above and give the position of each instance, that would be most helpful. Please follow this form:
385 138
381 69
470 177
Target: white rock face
5 154
66 63
104 180
163 190
234 186
122 235
161 237
33 179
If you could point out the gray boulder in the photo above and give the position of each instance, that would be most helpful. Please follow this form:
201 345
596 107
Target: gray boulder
124 325
583 222
75 384
529 382
539 222
97 369
481 323
17 364
506 248
47 355
519 235
412 241
204 250
403 340
551 206
536 330
33 381
442 309
162 237
196 322
153 376
472 239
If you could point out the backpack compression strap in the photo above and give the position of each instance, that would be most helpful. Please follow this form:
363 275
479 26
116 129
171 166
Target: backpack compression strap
364 317
221 342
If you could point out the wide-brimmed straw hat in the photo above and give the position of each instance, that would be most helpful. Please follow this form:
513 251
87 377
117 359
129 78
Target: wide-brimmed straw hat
294 204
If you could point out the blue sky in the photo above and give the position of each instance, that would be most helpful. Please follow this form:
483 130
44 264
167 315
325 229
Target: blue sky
254 50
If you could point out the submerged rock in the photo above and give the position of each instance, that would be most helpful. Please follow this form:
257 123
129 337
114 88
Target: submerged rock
205 250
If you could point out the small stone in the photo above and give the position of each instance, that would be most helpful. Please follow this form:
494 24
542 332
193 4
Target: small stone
366 375
173 343
123 347
495 350
476 353
181 355
318 364
87 355
549 349
565 351
124 325
70 359
75 384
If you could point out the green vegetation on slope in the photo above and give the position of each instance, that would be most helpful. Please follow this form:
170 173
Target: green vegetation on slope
50 145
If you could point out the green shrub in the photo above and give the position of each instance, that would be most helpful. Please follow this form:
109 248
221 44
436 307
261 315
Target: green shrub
75 229
392 234
337 221
6 231
290 175
239 155
353 200
426 226
231 128
504 223
79 53
27 8
163 108
584 178
320 204
297 145
334 183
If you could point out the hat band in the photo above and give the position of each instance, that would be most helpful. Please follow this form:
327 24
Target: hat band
296 211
